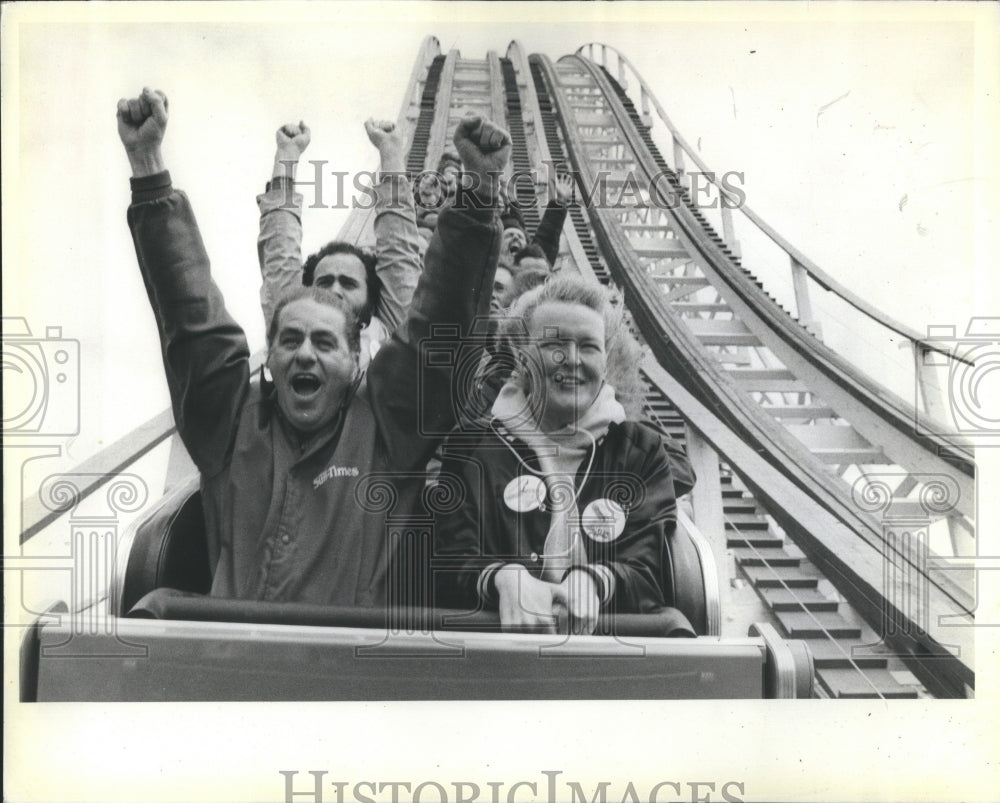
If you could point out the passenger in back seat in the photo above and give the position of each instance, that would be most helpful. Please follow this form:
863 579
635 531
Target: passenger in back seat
378 286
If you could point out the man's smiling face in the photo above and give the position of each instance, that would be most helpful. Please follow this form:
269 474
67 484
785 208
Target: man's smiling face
311 363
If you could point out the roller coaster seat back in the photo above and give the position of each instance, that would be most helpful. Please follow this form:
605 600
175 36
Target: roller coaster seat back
169 549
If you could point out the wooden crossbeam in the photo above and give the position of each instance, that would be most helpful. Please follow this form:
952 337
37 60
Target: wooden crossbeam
722 332
777 380
828 436
602 120
688 281
800 411
699 306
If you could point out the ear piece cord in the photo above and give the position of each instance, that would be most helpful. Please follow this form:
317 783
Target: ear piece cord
537 473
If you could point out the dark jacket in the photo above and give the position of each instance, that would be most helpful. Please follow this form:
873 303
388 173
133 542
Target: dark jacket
630 466
285 521
550 230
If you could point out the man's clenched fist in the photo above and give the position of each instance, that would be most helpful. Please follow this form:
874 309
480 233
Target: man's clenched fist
391 144
485 149
293 138
383 133
142 121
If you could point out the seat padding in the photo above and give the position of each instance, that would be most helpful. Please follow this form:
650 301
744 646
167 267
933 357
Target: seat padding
169 549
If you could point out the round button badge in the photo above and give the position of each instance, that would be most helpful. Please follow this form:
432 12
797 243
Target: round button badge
603 520
524 493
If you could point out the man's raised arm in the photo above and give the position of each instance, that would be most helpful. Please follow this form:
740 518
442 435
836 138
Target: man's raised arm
461 259
279 243
397 243
455 287
204 351
550 227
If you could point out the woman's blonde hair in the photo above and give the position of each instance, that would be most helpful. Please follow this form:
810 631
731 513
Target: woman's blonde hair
621 349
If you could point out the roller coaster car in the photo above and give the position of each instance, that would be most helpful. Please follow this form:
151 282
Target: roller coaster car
163 639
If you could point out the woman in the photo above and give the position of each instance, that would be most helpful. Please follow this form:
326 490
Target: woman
565 502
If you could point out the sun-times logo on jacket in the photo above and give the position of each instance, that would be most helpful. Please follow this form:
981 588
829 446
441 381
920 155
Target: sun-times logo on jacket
334 471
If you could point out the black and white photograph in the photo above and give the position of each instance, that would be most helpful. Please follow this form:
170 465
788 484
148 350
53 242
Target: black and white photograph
487 402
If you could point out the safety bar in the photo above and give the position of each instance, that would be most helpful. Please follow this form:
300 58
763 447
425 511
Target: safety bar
168 603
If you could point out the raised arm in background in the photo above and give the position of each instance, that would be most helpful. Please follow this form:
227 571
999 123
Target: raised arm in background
279 243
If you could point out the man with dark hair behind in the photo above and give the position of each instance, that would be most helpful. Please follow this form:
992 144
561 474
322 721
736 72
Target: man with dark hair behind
371 287
379 286
286 467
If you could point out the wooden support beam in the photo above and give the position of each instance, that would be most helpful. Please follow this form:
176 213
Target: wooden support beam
728 233
575 80
706 496
931 398
687 281
740 357
844 458
722 332
643 226
442 105
498 98
806 411
666 247
800 281
827 435
594 119
778 380
698 306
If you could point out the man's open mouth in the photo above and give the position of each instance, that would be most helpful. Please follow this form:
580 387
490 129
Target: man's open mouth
305 384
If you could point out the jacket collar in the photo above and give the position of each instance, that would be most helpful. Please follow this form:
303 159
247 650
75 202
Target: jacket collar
512 409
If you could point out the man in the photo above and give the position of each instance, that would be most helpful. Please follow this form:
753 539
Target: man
543 250
514 236
531 258
379 286
291 473
516 252
501 286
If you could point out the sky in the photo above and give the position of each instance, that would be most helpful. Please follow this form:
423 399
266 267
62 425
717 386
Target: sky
865 132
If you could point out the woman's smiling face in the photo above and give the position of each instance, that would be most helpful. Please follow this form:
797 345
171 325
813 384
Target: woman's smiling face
568 365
